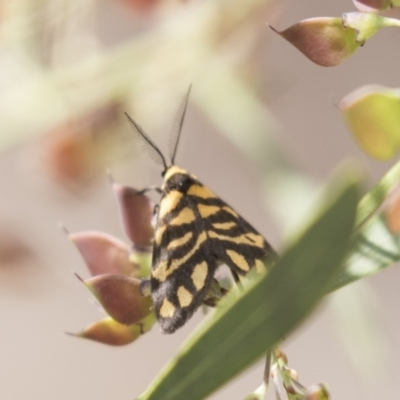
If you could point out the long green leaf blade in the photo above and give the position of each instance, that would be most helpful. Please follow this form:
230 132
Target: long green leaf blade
375 246
377 195
242 331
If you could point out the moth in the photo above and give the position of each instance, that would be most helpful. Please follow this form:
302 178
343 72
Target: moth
195 233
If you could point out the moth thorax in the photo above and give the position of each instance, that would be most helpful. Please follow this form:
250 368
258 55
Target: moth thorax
176 178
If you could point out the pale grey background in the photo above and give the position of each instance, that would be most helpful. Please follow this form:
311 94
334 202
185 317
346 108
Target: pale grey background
40 298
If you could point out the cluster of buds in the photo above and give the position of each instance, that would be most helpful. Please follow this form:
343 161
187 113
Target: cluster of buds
286 382
120 272
328 41
372 113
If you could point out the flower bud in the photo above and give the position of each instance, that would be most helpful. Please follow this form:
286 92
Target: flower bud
68 154
372 114
375 5
142 6
136 212
292 374
280 355
317 392
103 253
108 331
324 40
258 394
392 213
121 297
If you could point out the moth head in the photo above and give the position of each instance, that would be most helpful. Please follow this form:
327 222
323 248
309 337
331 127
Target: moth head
176 178
153 151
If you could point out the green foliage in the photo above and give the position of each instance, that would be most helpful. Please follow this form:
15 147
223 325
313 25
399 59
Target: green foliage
375 246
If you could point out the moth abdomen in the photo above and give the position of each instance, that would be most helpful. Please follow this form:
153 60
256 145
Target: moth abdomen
178 297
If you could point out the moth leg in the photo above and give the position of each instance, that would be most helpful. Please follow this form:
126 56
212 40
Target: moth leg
155 209
236 278
150 188
155 215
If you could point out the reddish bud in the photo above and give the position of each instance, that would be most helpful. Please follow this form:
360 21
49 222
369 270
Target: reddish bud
325 41
121 297
143 6
375 5
136 212
76 150
68 154
392 213
103 253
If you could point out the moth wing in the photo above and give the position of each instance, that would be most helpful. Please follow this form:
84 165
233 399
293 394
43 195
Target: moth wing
183 267
196 232
231 239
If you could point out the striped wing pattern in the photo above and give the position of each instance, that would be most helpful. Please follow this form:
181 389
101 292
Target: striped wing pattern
196 232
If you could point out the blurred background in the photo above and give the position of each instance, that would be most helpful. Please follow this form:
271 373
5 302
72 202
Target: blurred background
262 130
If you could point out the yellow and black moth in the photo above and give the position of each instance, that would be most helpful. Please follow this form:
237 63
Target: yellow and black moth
195 233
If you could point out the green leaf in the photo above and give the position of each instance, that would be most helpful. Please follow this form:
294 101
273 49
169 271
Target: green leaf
245 327
375 197
375 246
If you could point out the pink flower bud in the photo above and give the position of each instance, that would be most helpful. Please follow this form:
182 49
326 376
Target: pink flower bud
103 253
136 212
324 40
392 213
120 297
142 6
374 5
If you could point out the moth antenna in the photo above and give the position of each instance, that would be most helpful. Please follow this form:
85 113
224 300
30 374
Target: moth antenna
147 144
176 129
